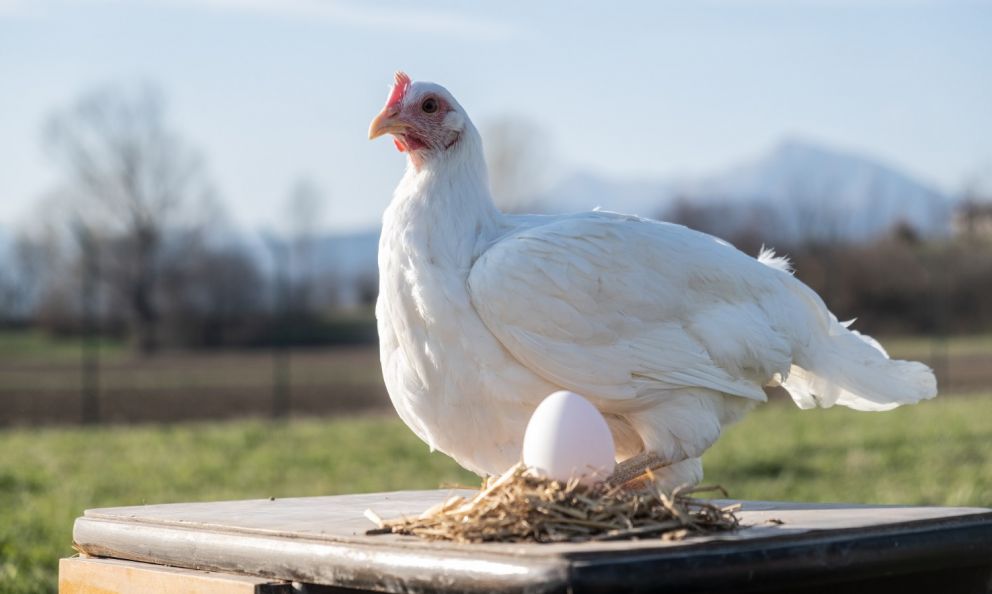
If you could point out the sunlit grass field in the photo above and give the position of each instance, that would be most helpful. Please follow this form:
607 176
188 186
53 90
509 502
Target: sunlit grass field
939 452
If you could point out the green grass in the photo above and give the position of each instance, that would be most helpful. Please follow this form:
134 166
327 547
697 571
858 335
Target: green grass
921 347
48 476
36 344
936 453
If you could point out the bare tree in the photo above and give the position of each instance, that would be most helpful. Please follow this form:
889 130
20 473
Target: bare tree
304 209
972 219
18 279
134 179
214 300
45 266
813 215
518 155
10 296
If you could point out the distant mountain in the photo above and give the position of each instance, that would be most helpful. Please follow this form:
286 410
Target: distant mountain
797 190
346 260
584 191
829 193
6 245
350 255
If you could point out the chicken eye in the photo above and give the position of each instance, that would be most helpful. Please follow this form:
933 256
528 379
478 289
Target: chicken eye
429 105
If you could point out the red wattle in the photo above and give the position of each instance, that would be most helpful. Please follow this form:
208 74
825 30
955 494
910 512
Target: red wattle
399 145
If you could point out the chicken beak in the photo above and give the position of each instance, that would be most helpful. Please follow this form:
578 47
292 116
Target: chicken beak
387 122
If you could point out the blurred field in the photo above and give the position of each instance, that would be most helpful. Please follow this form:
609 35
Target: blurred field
937 453
40 382
40 379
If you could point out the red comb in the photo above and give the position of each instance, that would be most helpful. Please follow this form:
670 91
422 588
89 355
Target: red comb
400 84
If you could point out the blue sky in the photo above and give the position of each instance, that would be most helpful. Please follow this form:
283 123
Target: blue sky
270 90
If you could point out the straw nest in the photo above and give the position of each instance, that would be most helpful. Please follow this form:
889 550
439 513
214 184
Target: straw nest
521 507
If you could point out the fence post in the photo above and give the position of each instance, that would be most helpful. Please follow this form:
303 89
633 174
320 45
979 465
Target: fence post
90 356
281 365
941 286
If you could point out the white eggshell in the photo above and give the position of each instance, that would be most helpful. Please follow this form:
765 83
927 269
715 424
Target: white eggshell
568 438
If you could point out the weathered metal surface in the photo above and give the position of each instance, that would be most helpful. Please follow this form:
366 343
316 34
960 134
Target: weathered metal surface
321 540
87 575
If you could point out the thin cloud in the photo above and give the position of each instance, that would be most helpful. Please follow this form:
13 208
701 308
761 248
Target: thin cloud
844 3
369 16
13 8
377 17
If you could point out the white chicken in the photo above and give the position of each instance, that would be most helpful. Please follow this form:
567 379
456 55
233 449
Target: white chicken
671 333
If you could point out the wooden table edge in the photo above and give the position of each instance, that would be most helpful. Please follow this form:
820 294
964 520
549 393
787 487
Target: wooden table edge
963 540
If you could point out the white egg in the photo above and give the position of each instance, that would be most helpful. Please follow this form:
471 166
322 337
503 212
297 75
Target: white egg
568 438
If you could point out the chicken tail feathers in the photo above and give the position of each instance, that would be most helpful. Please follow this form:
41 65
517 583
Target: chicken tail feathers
852 370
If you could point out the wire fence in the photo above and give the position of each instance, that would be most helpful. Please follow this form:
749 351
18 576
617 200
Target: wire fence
89 384
118 387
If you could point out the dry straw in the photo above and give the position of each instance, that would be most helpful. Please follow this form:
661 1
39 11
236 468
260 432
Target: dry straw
521 507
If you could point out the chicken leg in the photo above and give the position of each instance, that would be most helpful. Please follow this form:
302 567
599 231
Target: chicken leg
633 467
